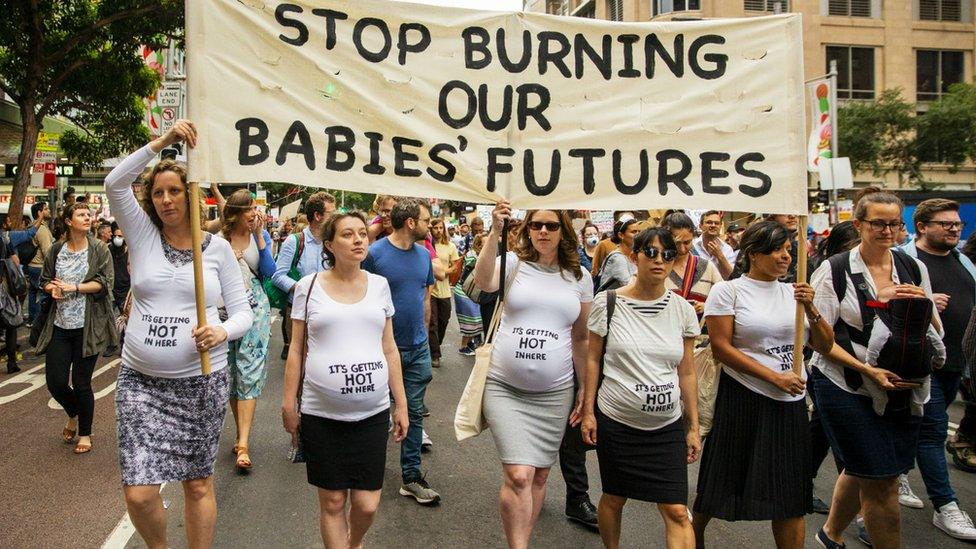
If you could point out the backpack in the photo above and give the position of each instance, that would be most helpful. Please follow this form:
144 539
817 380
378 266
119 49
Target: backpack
12 290
599 284
906 352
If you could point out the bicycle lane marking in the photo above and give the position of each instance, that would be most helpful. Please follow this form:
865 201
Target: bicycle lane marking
35 381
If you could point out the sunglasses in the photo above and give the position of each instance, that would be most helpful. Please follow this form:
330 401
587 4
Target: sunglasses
666 255
551 226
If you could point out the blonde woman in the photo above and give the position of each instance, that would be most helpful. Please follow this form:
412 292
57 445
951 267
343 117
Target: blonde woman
243 228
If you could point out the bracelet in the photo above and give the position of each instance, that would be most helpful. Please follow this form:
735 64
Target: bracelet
816 319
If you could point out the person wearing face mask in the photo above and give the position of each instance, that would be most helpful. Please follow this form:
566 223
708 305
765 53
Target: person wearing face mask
120 287
587 249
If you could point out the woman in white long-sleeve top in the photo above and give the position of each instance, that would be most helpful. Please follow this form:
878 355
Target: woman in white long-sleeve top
169 415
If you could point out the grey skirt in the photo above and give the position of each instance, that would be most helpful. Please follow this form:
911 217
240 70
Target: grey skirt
527 427
169 428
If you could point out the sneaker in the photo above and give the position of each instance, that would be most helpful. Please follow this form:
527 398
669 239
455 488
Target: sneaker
12 368
826 542
435 362
862 533
284 353
466 351
582 512
426 444
420 491
954 521
425 412
905 495
818 506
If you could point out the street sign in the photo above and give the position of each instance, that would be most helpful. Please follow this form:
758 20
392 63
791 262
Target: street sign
48 141
168 119
170 94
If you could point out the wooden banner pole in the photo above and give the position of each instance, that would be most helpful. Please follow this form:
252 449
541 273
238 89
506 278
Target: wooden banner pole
801 276
197 239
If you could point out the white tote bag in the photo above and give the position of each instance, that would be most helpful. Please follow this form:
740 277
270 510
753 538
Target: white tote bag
469 420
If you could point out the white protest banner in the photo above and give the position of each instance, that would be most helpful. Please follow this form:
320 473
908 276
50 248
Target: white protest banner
603 220
561 112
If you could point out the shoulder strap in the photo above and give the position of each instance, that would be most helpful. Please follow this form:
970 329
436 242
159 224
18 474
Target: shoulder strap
607 260
839 265
611 305
301 376
907 268
691 265
299 248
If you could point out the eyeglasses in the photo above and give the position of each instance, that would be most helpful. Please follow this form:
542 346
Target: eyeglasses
880 226
551 226
949 225
666 255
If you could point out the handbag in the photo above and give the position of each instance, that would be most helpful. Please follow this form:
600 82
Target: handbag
709 371
297 454
276 296
469 418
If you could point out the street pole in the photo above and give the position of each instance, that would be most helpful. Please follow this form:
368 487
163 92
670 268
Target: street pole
832 75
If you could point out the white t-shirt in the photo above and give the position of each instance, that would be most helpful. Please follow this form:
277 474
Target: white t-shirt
533 348
158 336
346 374
646 344
765 313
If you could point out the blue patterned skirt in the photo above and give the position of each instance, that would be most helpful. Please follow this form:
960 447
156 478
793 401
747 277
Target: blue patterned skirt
247 357
169 428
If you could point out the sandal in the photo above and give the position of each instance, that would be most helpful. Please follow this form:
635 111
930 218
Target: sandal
68 435
82 448
243 459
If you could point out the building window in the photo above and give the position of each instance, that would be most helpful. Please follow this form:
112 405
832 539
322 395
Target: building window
855 71
767 5
668 6
615 10
849 8
935 71
562 7
587 9
940 10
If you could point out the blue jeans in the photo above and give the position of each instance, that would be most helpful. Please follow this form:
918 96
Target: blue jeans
417 374
35 297
931 456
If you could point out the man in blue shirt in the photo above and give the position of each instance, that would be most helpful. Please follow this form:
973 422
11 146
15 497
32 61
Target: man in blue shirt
318 209
407 267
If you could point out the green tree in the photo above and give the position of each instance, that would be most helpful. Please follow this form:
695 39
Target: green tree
280 194
887 135
77 59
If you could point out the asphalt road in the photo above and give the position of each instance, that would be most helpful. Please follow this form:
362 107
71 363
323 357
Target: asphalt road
50 498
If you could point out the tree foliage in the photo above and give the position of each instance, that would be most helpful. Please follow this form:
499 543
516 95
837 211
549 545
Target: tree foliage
78 59
887 135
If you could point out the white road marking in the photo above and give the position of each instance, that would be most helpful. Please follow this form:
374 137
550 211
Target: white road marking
123 531
32 379
53 404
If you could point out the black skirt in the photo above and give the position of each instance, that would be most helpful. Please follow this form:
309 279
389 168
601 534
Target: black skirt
345 455
756 462
643 465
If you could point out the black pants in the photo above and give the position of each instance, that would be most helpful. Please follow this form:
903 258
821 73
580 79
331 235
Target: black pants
64 355
967 426
440 316
487 310
572 462
10 343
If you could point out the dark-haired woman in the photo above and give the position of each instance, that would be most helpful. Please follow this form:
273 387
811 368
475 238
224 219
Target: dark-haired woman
644 421
874 449
169 415
78 275
618 268
756 460
541 339
243 227
691 277
343 324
